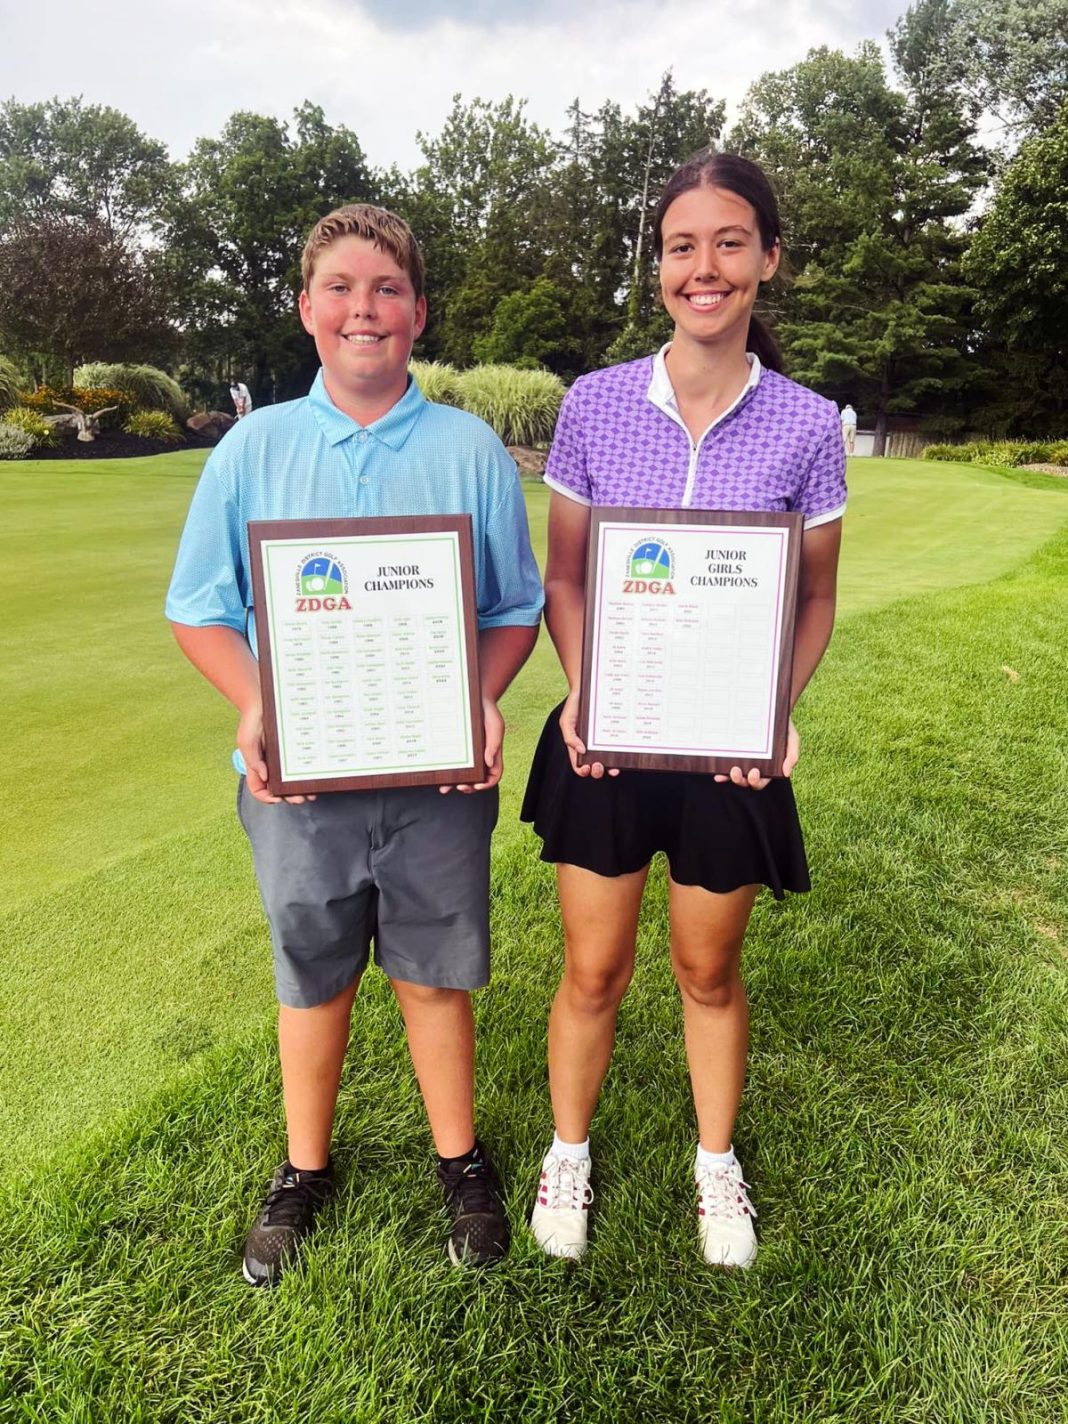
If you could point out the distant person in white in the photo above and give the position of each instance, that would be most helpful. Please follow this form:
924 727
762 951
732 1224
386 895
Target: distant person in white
243 401
849 428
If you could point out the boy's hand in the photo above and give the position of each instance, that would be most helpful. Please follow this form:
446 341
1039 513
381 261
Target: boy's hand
250 745
493 724
754 778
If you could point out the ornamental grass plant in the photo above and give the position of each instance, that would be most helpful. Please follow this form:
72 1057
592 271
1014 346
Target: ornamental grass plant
151 388
9 382
438 381
521 406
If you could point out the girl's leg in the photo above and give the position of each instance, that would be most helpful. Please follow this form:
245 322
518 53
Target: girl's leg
706 948
600 918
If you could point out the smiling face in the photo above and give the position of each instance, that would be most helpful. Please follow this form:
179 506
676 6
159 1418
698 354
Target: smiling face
712 265
361 308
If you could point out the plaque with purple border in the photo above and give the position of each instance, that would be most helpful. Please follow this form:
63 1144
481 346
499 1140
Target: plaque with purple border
688 639
368 649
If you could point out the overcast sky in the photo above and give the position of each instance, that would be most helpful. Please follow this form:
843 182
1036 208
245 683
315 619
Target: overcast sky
386 68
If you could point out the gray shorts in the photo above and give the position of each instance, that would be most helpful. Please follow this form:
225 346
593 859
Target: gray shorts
406 867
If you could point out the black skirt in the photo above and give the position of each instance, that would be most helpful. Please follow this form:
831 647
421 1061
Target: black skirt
714 834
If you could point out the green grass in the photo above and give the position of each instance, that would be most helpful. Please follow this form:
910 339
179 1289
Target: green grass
901 1126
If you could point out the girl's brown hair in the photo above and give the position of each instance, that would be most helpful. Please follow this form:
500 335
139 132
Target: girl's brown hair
745 179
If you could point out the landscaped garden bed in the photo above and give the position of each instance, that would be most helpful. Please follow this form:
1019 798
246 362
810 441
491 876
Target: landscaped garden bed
114 445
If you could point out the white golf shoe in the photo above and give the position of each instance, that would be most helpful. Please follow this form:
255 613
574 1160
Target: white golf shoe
725 1216
560 1213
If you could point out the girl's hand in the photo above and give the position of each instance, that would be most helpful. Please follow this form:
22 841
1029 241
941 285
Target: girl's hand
573 742
754 780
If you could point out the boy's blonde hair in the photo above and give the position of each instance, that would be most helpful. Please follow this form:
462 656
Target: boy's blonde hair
378 225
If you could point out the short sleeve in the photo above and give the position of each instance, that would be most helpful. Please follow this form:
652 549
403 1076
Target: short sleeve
210 582
565 469
821 496
509 592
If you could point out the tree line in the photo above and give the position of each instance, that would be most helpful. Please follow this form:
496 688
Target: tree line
922 203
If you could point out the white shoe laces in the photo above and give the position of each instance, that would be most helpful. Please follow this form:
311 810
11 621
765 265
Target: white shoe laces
722 1193
566 1184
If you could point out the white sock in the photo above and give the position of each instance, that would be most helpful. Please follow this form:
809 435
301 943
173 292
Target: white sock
714 1159
577 1151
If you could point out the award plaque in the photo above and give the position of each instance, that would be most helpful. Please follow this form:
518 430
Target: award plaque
688 640
368 650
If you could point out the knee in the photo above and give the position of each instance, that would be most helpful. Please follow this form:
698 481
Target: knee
424 996
714 986
594 991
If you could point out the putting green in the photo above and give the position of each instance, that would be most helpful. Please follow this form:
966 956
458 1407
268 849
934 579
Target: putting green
915 526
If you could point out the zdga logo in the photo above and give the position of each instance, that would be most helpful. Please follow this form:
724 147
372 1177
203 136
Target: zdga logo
321 585
650 568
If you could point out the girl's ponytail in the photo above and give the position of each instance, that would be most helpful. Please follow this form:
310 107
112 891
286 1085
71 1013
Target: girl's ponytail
763 345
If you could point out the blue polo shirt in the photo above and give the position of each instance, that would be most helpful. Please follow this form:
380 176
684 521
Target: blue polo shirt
305 459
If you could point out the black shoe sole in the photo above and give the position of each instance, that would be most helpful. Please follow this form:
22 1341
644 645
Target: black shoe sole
257 1282
478 1262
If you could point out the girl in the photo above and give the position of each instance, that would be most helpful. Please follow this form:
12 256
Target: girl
710 423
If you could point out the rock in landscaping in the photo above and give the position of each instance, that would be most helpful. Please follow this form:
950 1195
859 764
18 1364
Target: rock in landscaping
212 423
530 462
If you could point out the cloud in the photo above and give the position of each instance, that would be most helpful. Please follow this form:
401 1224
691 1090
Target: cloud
180 70
418 15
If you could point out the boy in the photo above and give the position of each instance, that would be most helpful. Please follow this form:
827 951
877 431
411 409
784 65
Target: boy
406 867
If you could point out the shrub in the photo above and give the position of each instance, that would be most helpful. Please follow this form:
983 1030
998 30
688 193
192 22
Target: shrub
521 406
152 389
961 453
438 381
53 400
94 398
15 444
9 382
34 424
995 452
1007 453
153 425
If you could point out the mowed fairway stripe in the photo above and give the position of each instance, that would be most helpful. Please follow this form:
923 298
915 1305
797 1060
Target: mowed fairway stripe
900 1128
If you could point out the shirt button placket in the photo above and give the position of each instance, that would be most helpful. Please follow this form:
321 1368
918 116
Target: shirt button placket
361 450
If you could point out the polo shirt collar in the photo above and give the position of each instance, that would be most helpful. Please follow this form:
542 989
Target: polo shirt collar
662 393
392 429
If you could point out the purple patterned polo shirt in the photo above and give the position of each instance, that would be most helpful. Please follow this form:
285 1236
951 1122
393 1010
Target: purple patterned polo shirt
620 440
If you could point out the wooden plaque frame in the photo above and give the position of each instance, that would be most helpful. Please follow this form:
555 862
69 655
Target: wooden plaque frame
322 531
653 520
